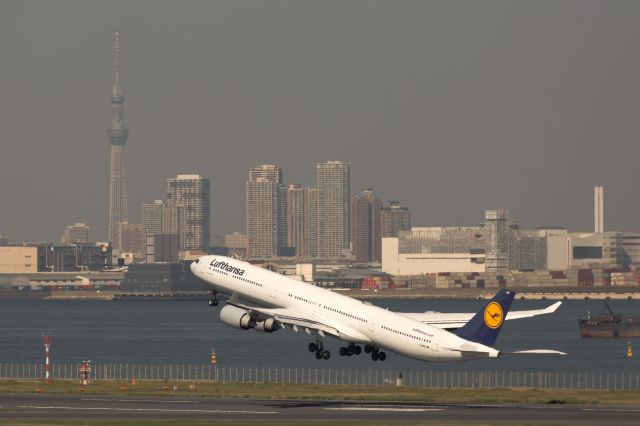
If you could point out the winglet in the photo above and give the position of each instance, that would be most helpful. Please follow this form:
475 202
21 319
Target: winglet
552 308
486 324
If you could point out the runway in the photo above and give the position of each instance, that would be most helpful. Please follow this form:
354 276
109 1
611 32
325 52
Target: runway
60 407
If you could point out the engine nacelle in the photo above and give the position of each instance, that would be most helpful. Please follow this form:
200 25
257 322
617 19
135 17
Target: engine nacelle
236 317
267 326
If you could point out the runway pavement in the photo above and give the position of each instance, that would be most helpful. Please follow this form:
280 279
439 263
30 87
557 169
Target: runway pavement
61 407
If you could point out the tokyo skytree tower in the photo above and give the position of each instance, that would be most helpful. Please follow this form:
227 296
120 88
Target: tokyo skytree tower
117 134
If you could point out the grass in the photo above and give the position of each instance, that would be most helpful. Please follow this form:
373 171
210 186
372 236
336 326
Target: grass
327 392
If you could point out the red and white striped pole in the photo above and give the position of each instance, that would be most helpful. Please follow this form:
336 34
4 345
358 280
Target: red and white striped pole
46 338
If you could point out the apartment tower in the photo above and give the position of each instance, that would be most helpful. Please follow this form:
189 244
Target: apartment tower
192 193
334 200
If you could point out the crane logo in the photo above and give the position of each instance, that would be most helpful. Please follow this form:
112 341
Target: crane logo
493 315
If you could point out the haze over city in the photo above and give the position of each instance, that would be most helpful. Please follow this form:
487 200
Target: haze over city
452 108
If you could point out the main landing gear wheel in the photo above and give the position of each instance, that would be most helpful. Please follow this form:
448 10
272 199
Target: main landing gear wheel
323 355
213 298
377 355
351 349
318 348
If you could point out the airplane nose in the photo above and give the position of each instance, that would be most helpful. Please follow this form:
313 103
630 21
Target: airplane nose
193 266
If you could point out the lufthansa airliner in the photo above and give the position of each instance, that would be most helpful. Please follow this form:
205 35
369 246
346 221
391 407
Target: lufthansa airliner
267 301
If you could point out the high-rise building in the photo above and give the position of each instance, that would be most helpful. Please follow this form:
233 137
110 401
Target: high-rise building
270 172
117 134
264 211
497 237
366 227
311 223
395 218
334 201
131 239
161 218
295 201
4 241
237 245
162 223
74 234
598 209
191 192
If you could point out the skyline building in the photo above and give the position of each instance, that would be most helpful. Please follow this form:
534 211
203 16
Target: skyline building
161 218
366 226
117 134
497 236
264 211
192 193
395 218
131 239
333 180
598 209
295 201
74 234
311 223
161 223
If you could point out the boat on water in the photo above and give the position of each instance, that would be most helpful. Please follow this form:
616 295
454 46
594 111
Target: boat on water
608 324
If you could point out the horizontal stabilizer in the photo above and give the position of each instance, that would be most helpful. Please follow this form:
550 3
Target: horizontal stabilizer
535 352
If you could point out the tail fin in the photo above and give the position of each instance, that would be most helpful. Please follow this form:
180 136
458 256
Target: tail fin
486 324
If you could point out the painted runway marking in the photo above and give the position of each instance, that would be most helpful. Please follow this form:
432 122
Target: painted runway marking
147 410
622 410
161 401
387 409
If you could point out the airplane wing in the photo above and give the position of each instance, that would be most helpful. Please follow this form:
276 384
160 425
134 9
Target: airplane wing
452 321
305 320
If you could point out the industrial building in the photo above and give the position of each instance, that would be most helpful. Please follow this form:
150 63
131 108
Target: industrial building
45 257
160 279
75 234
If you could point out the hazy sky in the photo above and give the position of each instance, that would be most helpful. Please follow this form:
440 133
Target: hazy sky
452 107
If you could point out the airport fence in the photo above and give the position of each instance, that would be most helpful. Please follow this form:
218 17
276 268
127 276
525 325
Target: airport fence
426 379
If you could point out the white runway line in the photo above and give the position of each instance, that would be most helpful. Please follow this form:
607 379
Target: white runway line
621 410
146 410
386 409
161 401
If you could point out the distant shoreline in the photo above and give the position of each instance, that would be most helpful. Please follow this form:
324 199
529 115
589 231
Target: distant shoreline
632 293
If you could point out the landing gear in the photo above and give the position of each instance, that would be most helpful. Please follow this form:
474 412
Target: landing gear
318 348
351 349
213 298
376 353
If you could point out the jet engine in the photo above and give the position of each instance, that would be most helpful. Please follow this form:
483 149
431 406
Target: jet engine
236 317
268 326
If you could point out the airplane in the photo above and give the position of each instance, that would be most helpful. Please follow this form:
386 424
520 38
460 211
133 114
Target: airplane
266 301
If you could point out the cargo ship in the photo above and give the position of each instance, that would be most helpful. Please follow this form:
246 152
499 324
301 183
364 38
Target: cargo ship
608 324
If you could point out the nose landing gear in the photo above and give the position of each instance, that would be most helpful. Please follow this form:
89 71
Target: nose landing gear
213 298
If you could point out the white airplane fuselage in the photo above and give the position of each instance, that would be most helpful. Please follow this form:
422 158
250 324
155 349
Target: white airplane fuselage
357 322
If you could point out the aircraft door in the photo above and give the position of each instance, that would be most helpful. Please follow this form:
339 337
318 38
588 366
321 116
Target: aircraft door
273 291
371 325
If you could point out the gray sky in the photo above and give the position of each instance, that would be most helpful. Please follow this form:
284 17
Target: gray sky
452 107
